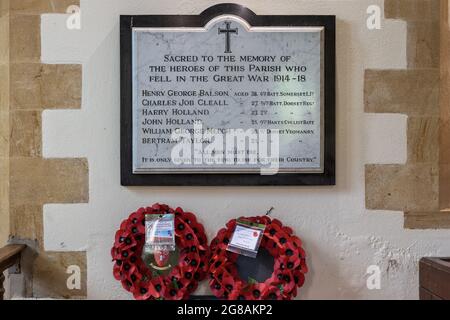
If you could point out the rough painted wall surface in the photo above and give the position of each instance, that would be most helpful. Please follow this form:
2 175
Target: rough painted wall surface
341 237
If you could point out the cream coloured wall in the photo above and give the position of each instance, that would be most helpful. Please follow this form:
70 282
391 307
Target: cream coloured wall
342 239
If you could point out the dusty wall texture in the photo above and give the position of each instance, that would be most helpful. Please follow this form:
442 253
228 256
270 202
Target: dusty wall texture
388 115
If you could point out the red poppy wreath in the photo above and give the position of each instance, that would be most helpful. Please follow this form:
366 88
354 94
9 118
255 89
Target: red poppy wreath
137 278
289 267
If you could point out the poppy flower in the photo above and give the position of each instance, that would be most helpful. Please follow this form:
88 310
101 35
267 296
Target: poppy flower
272 293
254 291
142 292
174 293
159 287
117 272
157 208
135 226
231 284
287 230
288 282
299 278
191 287
273 231
231 224
216 288
116 253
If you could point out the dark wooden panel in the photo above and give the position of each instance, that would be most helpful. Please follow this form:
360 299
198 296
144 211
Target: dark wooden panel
434 278
424 294
10 255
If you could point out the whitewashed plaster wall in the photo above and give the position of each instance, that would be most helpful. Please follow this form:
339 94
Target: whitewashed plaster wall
341 238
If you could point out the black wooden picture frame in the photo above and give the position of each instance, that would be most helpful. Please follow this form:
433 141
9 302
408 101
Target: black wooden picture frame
327 177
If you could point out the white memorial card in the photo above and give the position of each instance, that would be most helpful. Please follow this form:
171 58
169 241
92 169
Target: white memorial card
246 238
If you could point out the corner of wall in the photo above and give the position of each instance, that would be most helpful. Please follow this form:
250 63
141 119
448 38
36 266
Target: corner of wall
416 187
34 180
4 122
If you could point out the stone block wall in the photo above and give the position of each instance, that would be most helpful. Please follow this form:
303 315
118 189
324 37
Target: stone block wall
419 187
28 180
4 121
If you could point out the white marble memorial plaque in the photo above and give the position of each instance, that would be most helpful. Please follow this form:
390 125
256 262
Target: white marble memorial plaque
193 85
